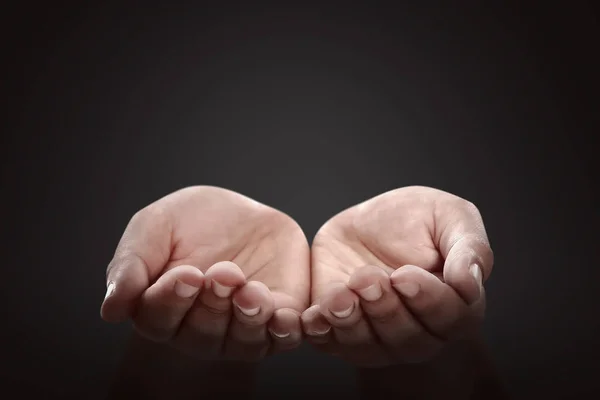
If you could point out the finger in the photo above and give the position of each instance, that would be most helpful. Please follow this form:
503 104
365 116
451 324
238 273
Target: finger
463 242
163 305
435 304
285 329
317 329
202 332
391 321
248 339
141 254
340 307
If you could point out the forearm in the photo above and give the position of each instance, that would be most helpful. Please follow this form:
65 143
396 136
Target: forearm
463 371
156 371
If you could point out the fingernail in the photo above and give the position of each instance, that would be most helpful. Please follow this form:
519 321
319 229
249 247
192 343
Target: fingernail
250 312
221 290
476 272
109 289
320 332
344 313
371 293
184 290
408 289
279 335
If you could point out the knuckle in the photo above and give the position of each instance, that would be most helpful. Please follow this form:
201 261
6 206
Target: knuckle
207 305
139 216
153 216
122 258
155 212
383 315
252 322
470 207
346 326
430 307
217 310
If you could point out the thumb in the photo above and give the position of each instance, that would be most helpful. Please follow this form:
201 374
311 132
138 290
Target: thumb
465 247
141 254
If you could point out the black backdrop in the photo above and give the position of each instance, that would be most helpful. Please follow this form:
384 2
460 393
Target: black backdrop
310 110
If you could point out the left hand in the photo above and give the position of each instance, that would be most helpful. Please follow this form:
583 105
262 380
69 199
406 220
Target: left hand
397 277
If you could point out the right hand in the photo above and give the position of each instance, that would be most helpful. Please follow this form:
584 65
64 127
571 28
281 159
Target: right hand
398 278
213 273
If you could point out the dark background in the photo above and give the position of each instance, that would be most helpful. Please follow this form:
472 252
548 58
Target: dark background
309 110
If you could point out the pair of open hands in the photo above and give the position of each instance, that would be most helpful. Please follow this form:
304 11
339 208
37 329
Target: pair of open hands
217 274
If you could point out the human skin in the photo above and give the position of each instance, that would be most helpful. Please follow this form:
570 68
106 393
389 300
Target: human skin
397 289
203 234
211 274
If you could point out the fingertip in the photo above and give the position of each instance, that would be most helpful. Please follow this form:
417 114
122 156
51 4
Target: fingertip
187 273
467 280
309 314
339 303
283 320
406 270
368 282
408 280
114 309
185 280
227 273
225 267
127 279
285 326
254 298
468 264
223 278
287 314
110 289
313 322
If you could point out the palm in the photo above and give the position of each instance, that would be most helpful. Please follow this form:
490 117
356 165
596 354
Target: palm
212 224
211 272
395 275
387 231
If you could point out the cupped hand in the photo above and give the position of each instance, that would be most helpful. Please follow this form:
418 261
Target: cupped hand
213 273
397 277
